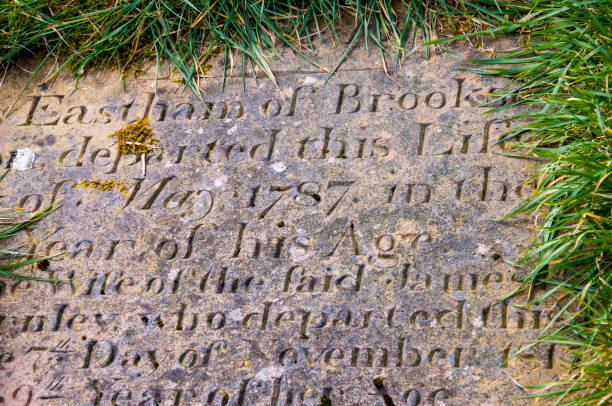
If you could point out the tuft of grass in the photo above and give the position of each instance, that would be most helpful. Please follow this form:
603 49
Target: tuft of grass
11 224
91 34
563 71
588 339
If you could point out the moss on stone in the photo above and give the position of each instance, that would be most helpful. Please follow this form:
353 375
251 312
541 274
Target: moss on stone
378 382
103 185
135 138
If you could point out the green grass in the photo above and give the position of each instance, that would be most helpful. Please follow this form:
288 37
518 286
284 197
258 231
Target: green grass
111 33
562 70
12 222
588 338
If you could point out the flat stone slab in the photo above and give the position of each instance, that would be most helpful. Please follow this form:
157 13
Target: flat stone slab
308 242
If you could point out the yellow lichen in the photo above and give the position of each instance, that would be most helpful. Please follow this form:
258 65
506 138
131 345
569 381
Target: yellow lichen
103 185
135 138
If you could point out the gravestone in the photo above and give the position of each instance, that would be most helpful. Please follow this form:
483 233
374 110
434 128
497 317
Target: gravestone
298 242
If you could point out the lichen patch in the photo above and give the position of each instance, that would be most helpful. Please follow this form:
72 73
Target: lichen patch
135 138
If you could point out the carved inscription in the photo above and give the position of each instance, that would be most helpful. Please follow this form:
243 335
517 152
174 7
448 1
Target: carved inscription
309 243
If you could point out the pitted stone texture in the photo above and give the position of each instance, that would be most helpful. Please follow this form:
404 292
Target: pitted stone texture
288 244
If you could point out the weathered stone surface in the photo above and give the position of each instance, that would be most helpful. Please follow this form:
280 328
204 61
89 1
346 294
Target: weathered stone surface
287 245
